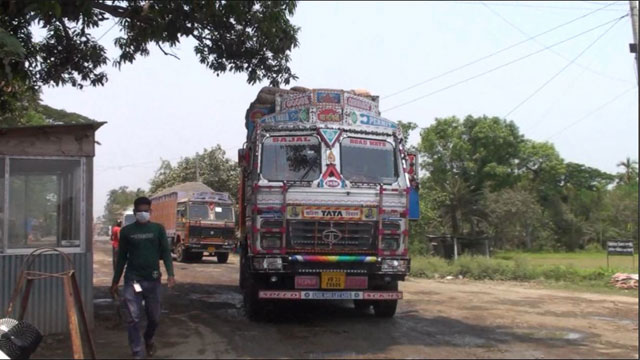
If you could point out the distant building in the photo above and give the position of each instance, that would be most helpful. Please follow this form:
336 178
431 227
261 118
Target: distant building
46 200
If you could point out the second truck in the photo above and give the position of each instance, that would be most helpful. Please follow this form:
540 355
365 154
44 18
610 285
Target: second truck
197 219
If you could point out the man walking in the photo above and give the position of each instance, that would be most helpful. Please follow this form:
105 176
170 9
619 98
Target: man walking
142 245
115 239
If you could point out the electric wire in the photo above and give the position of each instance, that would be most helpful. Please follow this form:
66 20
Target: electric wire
562 70
504 3
494 53
609 102
502 65
494 12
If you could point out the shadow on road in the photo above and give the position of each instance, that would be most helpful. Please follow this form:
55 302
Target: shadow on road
207 321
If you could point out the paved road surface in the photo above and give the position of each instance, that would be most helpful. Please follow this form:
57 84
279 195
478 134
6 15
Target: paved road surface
203 318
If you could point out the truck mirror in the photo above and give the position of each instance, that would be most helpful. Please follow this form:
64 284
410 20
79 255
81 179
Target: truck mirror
242 153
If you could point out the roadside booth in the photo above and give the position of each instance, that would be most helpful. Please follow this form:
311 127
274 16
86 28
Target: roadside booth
46 188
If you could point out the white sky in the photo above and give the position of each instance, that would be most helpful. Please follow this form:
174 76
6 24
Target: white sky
161 107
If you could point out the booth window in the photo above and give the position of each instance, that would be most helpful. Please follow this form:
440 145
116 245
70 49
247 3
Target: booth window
44 203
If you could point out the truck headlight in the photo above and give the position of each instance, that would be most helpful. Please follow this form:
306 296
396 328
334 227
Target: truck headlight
394 265
270 242
269 263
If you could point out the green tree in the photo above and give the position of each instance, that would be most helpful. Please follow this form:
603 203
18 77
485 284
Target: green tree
407 128
212 167
119 200
630 171
251 37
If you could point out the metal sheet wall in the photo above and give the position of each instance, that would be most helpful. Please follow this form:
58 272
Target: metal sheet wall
46 308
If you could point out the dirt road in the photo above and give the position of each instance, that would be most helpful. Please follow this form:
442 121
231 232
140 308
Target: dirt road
203 318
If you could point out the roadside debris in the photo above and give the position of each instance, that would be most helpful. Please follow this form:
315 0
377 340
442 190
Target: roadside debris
624 281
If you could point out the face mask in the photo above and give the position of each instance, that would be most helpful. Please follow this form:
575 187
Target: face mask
142 216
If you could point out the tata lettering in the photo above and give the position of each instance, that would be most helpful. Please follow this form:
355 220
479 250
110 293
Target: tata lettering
332 213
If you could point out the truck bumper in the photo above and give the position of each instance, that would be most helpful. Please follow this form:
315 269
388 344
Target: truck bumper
329 295
208 247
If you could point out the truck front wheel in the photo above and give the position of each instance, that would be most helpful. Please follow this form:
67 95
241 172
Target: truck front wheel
253 307
181 253
386 308
222 257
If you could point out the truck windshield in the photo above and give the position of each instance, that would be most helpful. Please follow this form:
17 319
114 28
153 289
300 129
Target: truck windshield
204 212
368 160
291 158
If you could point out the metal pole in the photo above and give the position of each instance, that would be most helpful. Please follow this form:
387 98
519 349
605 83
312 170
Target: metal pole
633 7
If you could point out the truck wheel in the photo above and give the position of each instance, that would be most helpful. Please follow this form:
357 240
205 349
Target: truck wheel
182 254
252 304
386 308
222 257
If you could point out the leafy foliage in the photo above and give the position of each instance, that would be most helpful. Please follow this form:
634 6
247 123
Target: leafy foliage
485 178
239 36
119 200
213 168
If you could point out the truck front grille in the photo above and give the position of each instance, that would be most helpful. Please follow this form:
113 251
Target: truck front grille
331 236
211 232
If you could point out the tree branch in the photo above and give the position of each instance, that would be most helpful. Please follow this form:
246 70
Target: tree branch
113 10
166 53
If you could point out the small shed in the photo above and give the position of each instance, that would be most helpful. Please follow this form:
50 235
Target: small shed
46 200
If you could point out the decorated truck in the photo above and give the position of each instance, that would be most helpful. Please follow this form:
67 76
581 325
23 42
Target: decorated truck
324 201
197 219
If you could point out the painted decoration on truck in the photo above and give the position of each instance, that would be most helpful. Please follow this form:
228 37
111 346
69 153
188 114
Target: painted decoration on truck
329 115
295 115
298 140
331 178
331 213
286 102
367 143
370 120
329 136
360 103
328 97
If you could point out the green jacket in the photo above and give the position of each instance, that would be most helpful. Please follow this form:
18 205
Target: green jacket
141 248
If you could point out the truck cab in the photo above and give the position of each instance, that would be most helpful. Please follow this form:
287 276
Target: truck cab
324 204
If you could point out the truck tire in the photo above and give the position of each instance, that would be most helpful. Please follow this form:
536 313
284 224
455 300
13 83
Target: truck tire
222 257
182 254
386 308
253 307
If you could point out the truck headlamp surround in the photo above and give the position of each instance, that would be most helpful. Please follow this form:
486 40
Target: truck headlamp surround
267 263
394 265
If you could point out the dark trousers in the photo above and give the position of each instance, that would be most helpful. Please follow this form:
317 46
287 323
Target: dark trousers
151 295
114 257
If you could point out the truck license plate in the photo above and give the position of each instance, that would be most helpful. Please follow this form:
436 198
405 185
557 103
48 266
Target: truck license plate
211 249
333 280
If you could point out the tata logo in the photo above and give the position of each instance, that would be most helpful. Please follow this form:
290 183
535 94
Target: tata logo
331 235
331 212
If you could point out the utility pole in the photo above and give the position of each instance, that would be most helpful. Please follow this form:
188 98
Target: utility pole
633 6
197 168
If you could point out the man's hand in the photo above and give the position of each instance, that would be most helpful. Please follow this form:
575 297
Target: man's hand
114 290
171 281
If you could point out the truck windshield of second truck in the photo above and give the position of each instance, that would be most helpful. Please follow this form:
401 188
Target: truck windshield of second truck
206 212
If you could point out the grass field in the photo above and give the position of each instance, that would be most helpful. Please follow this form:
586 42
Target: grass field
572 271
580 260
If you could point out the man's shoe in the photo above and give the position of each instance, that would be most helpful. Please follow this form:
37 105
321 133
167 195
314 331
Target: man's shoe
151 349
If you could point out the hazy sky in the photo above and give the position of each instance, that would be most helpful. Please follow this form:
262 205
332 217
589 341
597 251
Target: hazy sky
161 107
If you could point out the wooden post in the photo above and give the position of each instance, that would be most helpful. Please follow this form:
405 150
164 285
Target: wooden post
486 247
83 314
25 299
74 328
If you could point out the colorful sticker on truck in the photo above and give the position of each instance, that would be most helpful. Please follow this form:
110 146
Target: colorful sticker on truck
359 103
294 101
370 120
328 97
295 115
